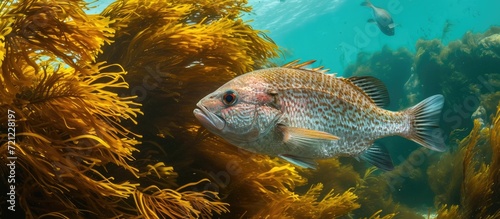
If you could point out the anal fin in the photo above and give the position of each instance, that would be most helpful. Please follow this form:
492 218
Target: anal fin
299 161
378 156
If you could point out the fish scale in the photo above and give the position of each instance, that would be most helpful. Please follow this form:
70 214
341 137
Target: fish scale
346 110
301 115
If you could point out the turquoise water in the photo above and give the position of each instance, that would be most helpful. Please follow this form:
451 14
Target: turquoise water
334 32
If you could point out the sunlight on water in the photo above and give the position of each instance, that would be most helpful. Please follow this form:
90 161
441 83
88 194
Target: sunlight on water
277 16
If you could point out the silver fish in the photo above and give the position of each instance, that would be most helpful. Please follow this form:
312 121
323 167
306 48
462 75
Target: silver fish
301 115
382 18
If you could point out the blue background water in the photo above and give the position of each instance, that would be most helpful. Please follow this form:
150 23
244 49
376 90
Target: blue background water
333 32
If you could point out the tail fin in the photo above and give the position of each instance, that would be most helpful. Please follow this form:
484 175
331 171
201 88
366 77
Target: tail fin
366 3
424 127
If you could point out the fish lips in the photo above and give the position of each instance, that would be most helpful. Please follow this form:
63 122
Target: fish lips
208 119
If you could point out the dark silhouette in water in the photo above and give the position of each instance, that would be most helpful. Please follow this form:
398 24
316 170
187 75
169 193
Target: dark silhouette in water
382 18
446 29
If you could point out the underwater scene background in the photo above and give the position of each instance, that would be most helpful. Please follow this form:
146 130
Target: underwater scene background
97 102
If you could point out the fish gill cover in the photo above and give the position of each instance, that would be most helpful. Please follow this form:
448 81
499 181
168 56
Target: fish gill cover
104 126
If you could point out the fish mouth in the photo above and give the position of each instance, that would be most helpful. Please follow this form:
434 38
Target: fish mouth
207 118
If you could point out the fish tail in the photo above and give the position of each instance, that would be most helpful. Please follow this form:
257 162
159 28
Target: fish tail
366 3
424 127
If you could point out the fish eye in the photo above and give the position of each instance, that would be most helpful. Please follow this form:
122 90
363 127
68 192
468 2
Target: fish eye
229 97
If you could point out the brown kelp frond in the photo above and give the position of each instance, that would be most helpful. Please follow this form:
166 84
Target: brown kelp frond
64 181
287 204
262 187
216 43
160 170
330 206
79 110
376 215
279 178
164 27
310 205
158 174
449 213
154 202
481 175
161 12
220 8
369 173
5 29
57 28
481 185
60 28
68 126
477 186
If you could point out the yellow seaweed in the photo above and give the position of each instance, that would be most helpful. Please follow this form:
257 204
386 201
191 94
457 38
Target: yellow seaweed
481 175
153 201
258 186
76 152
34 30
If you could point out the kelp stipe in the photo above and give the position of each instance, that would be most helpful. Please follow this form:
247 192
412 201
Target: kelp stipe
481 175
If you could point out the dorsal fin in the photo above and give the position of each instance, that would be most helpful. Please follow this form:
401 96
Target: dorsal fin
296 65
372 87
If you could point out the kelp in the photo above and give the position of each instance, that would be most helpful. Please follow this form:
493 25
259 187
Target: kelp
465 71
258 186
153 201
445 177
77 153
67 123
47 29
481 175
178 40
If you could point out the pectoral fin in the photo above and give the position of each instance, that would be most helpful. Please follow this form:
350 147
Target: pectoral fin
371 20
299 161
301 137
378 156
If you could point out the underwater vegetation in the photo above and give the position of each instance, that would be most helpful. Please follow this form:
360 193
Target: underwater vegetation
102 110
466 71
77 156
480 174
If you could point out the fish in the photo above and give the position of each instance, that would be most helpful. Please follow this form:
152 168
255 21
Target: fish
302 115
382 18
